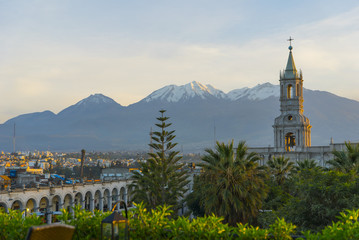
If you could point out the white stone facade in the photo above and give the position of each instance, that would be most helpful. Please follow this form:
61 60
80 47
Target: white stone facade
292 130
47 200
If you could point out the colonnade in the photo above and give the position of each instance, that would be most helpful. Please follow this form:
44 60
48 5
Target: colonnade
50 200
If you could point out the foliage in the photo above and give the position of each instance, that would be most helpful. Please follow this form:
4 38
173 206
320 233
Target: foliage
163 179
347 160
88 224
150 223
14 225
319 196
232 184
157 224
278 195
346 228
193 199
306 164
280 168
281 229
247 232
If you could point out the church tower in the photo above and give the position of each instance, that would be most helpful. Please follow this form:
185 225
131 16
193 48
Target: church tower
291 128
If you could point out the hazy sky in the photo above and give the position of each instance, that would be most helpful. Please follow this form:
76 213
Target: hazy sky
55 53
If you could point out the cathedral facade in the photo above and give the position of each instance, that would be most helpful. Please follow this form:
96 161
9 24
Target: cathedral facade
292 129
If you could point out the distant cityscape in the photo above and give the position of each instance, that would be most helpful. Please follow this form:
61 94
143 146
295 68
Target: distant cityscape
18 170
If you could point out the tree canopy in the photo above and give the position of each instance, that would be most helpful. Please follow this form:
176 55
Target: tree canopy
232 184
162 179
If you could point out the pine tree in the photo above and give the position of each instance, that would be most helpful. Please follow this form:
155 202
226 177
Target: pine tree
162 179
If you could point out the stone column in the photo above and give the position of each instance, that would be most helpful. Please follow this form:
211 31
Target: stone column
125 196
100 204
109 203
92 204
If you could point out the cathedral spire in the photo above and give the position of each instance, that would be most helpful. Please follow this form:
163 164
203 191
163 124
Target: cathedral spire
290 70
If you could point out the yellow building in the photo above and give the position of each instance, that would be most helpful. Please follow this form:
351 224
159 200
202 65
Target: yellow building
5 181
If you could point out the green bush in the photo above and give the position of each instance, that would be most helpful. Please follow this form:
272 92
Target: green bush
14 226
158 224
346 228
88 224
320 196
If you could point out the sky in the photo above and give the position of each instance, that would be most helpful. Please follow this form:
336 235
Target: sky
55 53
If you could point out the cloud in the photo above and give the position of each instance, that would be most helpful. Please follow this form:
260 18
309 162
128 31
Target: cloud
53 60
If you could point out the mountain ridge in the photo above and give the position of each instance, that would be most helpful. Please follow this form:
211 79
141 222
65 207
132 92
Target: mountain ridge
100 123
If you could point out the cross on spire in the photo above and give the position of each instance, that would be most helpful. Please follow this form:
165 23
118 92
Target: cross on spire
290 40
290 43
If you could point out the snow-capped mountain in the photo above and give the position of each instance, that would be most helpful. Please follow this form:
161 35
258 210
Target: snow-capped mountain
174 93
99 123
259 92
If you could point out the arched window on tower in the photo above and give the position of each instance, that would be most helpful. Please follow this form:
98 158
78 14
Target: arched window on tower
289 91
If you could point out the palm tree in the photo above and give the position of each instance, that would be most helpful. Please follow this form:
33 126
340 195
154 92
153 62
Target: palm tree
232 184
280 168
306 164
346 160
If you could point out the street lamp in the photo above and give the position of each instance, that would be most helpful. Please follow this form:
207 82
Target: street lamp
115 226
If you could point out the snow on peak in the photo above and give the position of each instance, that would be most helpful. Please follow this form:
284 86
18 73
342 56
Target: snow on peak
259 92
96 99
174 93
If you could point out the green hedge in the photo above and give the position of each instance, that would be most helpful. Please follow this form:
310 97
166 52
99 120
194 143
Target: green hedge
158 224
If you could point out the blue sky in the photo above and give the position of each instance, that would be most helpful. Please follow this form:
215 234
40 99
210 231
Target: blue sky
55 53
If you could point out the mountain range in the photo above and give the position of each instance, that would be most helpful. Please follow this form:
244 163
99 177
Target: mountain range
199 113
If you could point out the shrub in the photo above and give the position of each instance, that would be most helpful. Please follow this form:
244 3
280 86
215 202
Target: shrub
346 228
88 224
14 225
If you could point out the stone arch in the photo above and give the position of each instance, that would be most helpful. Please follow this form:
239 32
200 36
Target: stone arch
44 204
68 202
289 141
88 201
114 196
107 200
31 206
78 199
56 203
3 207
289 91
123 193
98 200
17 205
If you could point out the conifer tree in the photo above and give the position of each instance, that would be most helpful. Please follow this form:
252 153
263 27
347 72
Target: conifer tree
162 179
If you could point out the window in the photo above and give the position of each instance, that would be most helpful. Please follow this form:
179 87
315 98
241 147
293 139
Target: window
289 91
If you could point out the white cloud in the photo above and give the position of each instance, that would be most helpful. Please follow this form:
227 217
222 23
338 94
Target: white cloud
58 64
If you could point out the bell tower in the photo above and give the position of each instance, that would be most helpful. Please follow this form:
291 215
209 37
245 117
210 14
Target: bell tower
291 128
